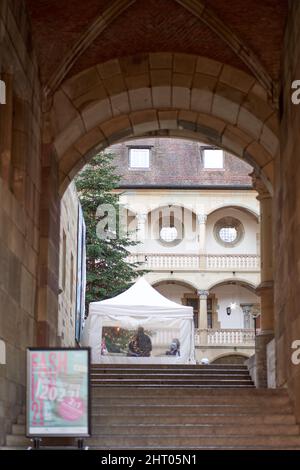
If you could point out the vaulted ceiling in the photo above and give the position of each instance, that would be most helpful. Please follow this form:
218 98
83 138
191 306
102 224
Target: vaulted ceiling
70 36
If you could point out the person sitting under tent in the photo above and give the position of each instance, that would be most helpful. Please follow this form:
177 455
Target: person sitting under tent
140 345
174 348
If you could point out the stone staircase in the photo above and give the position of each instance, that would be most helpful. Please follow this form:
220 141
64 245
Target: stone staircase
17 438
187 407
183 407
212 376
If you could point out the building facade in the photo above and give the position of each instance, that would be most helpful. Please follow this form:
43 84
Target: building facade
72 269
198 231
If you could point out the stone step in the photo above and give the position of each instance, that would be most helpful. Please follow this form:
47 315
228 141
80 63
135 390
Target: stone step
169 376
11 448
173 376
18 429
196 409
105 418
178 382
196 430
187 401
12 440
256 393
181 372
169 366
187 407
168 385
174 442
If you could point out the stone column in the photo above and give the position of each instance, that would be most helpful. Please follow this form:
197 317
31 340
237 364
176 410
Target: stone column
201 219
265 289
48 263
141 226
202 319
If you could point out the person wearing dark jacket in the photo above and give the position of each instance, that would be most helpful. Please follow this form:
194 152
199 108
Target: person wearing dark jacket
140 345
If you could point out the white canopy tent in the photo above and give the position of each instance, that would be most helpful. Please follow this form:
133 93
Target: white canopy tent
140 306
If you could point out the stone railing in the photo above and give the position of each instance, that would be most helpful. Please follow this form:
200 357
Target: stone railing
166 261
162 261
240 262
225 337
209 337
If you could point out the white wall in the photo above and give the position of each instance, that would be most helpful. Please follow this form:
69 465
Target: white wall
248 245
188 236
66 299
199 202
227 294
174 292
214 203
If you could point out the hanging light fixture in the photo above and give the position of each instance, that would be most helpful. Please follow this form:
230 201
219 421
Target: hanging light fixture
234 304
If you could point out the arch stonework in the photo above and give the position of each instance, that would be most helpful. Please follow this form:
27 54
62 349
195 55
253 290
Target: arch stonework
163 94
229 354
178 280
85 40
159 94
241 207
199 10
242 282
166 204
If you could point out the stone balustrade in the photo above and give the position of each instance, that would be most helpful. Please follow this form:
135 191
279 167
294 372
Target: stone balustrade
225 337
208 337
240 262
209 262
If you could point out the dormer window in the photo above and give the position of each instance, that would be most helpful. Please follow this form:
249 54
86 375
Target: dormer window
139 158
213 159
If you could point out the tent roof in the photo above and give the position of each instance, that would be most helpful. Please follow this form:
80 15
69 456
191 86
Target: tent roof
141 294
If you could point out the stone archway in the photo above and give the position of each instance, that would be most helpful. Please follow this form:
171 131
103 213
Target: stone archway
164 94
241 207
178 290
234 281
230 359
165 279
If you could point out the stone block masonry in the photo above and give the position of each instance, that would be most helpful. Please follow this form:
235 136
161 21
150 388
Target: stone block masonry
287 217
20 119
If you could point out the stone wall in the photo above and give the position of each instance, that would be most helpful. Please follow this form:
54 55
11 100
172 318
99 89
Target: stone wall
220 352
287 217
251 364
271 364
19 207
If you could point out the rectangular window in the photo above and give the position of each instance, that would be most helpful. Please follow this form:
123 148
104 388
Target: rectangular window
139 158
209 313
213 159
194 302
